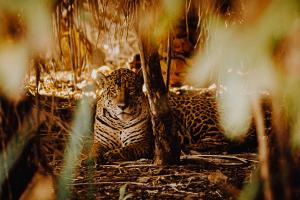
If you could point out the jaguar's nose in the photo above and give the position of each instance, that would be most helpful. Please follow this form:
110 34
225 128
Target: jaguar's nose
121 100
122 105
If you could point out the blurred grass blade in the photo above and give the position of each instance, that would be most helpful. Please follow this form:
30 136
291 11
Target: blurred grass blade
250 190
10 155
13 65
80 131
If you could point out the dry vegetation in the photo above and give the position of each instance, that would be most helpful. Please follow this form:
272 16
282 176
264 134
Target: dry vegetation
49 50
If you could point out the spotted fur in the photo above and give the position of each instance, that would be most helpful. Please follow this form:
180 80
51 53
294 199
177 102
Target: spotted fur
120 136
121 129
197 120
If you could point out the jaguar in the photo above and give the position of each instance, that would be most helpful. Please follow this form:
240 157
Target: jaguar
122 127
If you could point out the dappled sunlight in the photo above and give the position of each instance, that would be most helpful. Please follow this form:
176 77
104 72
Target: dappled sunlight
25 31
235 109
13 66
215 82
240 58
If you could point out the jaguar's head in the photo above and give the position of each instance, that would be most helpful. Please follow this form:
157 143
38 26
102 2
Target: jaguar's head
123 96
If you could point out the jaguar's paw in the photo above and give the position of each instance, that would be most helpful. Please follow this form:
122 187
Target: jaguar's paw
112 156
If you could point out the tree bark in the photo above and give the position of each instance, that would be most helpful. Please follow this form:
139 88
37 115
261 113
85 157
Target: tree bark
167 149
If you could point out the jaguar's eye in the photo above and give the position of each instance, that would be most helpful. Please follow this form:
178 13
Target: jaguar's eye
112 93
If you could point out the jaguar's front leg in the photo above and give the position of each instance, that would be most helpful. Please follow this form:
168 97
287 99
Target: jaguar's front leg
97 153
131 152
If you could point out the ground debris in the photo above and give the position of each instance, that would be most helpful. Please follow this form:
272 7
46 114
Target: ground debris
198 176
147 181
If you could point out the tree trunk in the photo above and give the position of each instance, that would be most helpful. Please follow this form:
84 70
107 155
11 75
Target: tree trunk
167 149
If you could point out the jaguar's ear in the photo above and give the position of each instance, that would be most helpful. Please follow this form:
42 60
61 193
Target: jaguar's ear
99 78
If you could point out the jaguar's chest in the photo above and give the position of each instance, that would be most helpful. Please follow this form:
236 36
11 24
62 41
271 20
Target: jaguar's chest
122 131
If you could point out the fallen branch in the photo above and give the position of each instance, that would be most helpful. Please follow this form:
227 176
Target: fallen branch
201 156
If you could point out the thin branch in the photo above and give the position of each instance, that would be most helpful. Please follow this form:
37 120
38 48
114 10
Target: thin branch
187 8
263 150
199 156
169 59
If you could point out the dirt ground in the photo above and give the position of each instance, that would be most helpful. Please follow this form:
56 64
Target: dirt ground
196 177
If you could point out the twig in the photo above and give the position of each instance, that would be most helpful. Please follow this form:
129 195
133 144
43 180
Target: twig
187 9
263 151
218 194
114 183
169 59
146 185
185 192
128 166
243 160
180 195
